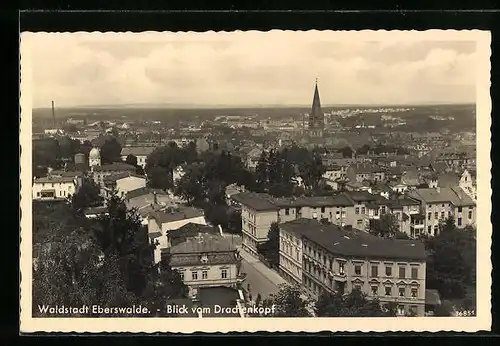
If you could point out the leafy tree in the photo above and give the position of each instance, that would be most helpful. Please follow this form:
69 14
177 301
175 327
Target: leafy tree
234 222
46 153
270 249
445 309
451 263
288 302
88 195
160 165
131 160
312 171
354 304
111 151
68 265
347 152
385 227
217 215
68 147
159 178
261 171
86 147
192 186
364 149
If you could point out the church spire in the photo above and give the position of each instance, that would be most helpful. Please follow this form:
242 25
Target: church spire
316 102
316 118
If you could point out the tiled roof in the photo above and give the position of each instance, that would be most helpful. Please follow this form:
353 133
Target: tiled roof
448 180
56 180
137 151
187 231
453 195
360 196
115 166
256 201
361 168
355 243
203 243
183 213
121 175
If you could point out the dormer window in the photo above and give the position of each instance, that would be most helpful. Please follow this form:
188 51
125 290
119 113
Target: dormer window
204 259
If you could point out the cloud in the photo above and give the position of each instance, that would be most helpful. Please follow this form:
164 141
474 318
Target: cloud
247 68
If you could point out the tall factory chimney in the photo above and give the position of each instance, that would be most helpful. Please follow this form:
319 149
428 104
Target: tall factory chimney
53 116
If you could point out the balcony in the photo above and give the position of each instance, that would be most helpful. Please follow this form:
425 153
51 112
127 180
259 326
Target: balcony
338 276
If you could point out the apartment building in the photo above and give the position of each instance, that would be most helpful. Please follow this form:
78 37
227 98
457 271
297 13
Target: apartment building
54 188
257 214
260 210
339 260
440 203
365 171
406 212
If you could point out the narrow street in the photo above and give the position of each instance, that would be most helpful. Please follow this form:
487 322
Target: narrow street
261 279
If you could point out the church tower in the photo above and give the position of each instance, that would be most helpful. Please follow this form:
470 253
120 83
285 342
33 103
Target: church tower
316 118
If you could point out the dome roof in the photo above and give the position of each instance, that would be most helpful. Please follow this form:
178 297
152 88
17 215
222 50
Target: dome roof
95 154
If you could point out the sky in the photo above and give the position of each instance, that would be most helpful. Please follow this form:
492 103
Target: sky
247 69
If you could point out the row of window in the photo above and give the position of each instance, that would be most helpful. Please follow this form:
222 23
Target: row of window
358 270
204 274
292 267
388 291
61 194
291 250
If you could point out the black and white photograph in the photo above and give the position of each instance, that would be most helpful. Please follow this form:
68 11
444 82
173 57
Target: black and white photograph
255 181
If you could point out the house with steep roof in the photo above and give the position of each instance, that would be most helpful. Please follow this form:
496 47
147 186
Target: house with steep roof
54 187
252 159
365 171
205 260
440 203
99 172
122 183
141 153
161 222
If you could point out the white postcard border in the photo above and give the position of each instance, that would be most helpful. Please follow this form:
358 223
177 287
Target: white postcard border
482 321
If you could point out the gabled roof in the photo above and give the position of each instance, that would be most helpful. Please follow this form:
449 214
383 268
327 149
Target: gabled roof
455 196
115 166
203 243
137 151
55 180
256 201
448 180
182 213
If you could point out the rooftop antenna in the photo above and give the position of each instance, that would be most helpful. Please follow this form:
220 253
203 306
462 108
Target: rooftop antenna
53 116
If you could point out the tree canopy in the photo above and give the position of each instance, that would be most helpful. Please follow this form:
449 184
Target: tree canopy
88 195
270 248
111 151
386 226
354 304
288 302
108 261
451 264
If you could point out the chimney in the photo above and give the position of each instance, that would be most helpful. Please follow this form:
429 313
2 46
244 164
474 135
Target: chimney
53 116
155 198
